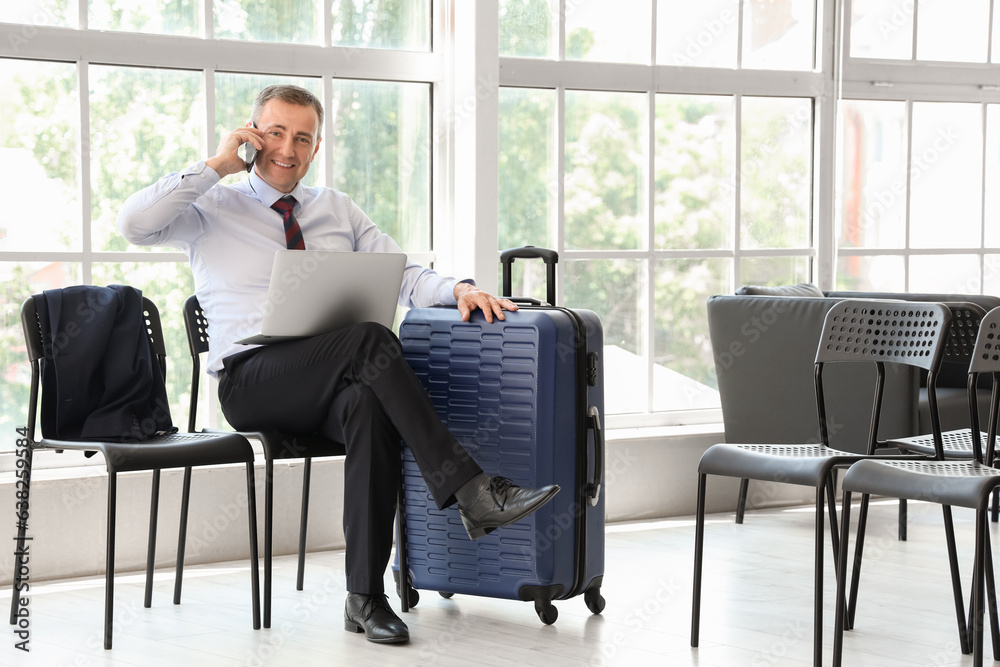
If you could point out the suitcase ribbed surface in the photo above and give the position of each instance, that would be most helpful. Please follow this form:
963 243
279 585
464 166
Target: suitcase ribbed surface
486 382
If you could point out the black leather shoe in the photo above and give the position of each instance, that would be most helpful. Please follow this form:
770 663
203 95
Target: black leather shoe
499 503
372 615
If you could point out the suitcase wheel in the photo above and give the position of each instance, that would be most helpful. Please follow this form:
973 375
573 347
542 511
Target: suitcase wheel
594 600
445 594
546 612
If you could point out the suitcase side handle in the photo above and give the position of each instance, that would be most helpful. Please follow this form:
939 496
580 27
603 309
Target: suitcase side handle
594 488
550 257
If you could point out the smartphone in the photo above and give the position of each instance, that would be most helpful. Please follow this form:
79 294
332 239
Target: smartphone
249 153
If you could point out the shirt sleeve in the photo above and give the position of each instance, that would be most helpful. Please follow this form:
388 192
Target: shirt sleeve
421 286
169 212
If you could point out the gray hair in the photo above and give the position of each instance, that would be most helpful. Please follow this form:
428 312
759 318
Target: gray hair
290 95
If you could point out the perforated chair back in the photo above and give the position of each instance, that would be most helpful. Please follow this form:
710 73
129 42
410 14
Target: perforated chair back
966 318
196 326
883 332
895 332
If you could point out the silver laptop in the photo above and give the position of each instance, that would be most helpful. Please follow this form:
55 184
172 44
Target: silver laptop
316 291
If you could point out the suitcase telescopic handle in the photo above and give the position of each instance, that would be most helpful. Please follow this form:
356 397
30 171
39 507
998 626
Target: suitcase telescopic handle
594 488
550 257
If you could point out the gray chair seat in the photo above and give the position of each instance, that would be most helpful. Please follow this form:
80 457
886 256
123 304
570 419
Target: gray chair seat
164 451
954 483
806 465
957 444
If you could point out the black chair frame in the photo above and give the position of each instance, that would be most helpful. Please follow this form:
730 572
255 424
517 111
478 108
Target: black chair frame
275 445
959 483
855 331
161 451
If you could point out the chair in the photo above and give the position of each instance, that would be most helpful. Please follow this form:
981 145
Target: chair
854 331
159 451
275 445
968 484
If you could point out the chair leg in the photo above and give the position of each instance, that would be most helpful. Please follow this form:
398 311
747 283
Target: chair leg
991 600
995 514
741 502
841 608
252 521
818 548
404 568
831 499
154 507
303 524
902 520
182 535
956 580
699 540
978 580
268 529
859 547
109 573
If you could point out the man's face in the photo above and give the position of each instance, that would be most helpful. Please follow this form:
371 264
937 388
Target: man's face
291 141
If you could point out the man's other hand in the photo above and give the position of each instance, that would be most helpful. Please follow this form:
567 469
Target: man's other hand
471 297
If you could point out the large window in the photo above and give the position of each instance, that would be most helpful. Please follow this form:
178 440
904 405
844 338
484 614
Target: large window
85 132
919 145
659 177
668 150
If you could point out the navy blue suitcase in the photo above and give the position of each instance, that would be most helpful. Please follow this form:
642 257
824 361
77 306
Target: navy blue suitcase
525 396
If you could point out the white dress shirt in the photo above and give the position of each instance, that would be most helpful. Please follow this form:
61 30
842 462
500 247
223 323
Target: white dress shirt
230 235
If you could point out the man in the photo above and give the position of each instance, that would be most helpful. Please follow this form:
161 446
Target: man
350 385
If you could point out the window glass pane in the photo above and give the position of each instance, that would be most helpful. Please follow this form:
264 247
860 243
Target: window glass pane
234 97
167 285
40 154
35 13
612 289
945 274
694 171
882 29
605 169
871 210
381 135
294 21
528 180
995 50
991 274
775 271
609 31
164 17
957 31
775 172
871 274
699 34
144 124
992 216
778 34
684 367
382 24
20 281
946 175
527 28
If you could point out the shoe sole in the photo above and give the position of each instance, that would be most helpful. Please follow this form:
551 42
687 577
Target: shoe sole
351 626
483 531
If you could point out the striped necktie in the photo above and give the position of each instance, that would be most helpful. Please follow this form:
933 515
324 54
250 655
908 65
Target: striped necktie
293 235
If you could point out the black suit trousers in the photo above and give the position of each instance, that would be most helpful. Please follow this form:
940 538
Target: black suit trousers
352 386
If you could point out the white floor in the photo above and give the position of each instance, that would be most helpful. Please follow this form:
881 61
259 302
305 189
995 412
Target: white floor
757 608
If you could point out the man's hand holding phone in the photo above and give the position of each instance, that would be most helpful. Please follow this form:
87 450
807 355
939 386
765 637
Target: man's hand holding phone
227 159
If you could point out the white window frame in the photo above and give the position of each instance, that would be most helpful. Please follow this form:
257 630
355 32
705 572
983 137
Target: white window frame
819 85
913 81
205 54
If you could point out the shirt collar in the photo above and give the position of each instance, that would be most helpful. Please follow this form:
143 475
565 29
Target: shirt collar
268 195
